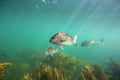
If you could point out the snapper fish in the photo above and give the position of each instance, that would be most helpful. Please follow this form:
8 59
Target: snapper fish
51 51
63 39
92 42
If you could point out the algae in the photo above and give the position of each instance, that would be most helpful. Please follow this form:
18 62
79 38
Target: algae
94 72
114 67
34 65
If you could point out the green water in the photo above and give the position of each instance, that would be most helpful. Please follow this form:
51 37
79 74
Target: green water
31 23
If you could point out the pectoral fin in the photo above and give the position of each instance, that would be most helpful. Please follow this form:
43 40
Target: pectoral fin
62 48
75 40
52 55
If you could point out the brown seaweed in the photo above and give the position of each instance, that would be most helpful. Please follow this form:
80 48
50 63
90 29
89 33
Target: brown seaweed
3 69
100 73
114 67
27 76
71 65
59 67
46 72
87 73
94 72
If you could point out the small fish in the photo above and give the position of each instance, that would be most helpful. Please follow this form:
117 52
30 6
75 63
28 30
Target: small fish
91 42
63 39
51 51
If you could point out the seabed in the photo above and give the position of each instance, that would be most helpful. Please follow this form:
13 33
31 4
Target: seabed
34 65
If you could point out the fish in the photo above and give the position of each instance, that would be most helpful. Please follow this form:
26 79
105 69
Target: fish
51 51
92 42
63 39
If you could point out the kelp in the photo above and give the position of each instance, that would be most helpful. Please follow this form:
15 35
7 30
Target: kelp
35 65
59 67
94 72
87 73
27 76
3 69
114 67
46 72
16 71
71 65
100 73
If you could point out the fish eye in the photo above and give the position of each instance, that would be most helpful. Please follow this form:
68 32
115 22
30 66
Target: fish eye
53 38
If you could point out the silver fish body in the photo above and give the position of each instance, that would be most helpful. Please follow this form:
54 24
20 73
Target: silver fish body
51 51
91 43
62 39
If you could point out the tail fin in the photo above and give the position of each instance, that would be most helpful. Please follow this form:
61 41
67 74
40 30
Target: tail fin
102 41
74 40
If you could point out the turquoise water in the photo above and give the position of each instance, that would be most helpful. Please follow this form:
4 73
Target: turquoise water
31 23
